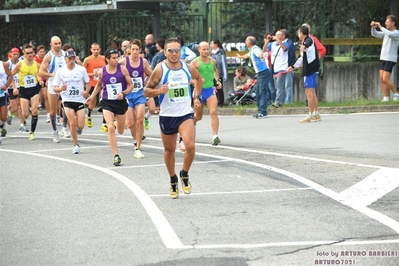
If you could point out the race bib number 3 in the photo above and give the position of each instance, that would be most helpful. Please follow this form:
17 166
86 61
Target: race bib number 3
113 90
29 81
178 95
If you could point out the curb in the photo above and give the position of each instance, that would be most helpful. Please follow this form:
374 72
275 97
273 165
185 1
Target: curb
242 111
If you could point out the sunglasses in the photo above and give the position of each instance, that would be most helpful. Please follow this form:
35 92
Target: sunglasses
113 51
28 52
177 50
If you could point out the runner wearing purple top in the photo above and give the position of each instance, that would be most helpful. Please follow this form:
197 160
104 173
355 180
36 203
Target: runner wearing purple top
138 69
115 82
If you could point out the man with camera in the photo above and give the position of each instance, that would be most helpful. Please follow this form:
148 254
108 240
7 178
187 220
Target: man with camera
389 54
279 58
263 75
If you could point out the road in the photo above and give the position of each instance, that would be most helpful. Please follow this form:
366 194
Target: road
274 192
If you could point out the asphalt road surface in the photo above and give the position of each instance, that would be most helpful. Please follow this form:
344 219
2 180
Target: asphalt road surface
274 192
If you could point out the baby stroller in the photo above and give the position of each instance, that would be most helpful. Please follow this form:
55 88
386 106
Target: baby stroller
245 96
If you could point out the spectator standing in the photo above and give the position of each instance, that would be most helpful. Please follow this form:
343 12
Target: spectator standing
115 45
289 76
187 55
389 53
279 57
150 47
219 55
309 60
320 49
160 55
263 75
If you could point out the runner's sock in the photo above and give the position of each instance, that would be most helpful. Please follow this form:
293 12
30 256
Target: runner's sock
34 123
53 124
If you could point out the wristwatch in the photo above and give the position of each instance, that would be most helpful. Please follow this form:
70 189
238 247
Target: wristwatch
199 97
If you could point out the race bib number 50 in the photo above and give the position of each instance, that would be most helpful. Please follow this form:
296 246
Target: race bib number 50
177 94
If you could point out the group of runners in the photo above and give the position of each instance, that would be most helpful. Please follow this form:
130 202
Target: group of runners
124 84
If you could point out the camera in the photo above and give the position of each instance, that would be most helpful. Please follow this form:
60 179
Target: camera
374 25
270 37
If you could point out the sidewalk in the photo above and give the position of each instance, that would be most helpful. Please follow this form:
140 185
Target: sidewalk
304 110
293 110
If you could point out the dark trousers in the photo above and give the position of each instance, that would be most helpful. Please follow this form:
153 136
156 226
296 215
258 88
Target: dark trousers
220 96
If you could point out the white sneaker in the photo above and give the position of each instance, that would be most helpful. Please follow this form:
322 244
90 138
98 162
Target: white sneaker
23 128
76 149
48 118
56 137
396 97
65 132
138 154
181 146
58 121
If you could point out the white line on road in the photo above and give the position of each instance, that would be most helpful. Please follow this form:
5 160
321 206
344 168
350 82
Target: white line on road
168 235
172 241
235 192
373 187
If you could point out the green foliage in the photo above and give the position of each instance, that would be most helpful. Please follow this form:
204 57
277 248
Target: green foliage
18 4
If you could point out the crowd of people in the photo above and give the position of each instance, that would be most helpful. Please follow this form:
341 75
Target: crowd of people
165 73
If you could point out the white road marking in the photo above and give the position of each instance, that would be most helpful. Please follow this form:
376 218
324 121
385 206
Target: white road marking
394 225
166 232
170 238
293 244
236 192
373 187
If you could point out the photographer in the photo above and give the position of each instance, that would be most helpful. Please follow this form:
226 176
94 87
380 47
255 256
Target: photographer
279 57
389 55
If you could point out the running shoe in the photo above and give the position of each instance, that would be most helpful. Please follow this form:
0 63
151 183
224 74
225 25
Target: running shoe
316 118
32 136
104 128
3 132
48 118
88 121
181 146
138 154
9 117
216 141
174 191
23 128
79 131
58 121
260 116
65 132
146 124
76 149
306 119
185 183
117 160
56 137
396 97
